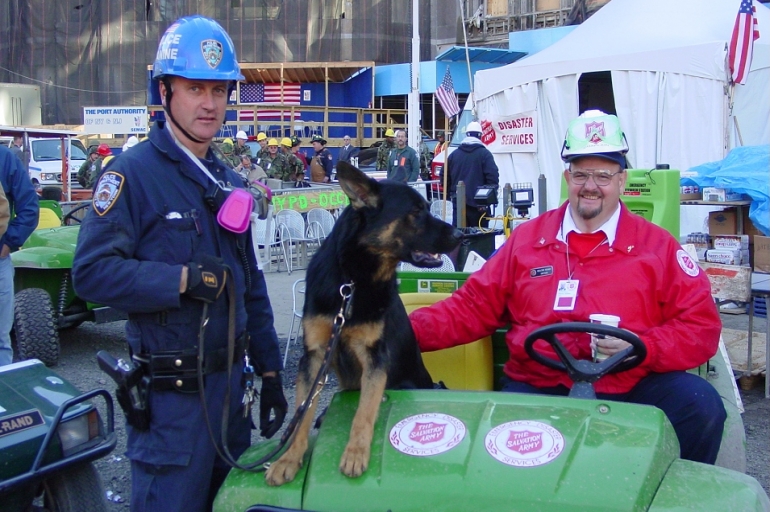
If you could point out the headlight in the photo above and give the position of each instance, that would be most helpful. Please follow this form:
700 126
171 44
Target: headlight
48 176
78 431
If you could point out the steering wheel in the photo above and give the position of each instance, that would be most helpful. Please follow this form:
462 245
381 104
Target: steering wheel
69 218
584 373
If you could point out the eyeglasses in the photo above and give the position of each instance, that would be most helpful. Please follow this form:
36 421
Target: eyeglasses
601 178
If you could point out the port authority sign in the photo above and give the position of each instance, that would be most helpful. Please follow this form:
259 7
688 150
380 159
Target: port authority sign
127 120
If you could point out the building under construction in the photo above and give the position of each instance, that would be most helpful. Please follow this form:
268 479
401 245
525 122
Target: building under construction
96 52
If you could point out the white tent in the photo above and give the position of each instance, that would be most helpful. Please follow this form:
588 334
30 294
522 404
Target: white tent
667 59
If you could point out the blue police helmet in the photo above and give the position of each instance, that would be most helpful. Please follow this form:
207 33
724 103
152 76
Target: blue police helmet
196 47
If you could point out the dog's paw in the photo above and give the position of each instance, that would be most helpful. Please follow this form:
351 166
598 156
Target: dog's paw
282 471
354 461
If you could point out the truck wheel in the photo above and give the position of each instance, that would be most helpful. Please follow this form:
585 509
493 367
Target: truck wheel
77 489
35 326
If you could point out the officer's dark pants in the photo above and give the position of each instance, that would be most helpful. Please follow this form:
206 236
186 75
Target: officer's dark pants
188 482
691 404
472 216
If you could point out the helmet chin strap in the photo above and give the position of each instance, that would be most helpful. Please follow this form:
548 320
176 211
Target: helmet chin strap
167 109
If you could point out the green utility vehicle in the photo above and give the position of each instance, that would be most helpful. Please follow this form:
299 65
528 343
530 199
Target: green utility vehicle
471 448
44 300
50 433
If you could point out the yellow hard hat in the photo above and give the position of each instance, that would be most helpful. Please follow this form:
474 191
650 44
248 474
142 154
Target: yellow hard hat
228 141
390 133
261 136
272 142
286 141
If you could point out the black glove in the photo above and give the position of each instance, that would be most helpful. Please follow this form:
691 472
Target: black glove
206 278
272 399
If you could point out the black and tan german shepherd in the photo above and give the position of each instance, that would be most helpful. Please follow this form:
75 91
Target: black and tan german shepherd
386 223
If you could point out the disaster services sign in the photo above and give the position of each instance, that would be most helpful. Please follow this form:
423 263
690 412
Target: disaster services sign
511 134
115 120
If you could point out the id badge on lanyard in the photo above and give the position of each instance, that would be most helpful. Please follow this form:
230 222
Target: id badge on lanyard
566 295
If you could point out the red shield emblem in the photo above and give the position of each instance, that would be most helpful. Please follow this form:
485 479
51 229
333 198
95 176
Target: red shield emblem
594 131
524 441
488 134
430 432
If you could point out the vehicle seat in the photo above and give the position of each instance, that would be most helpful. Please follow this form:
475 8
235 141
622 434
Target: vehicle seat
48 219
466 367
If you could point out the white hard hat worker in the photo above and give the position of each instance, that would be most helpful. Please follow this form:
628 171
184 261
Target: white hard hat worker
595 133
473 130
241 135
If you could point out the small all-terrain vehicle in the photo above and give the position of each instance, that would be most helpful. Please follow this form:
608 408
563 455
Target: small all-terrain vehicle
470 448
50 433
45 301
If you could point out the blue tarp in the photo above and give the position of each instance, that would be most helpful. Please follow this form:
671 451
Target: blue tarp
745 170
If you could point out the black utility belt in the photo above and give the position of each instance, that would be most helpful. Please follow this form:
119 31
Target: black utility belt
177 370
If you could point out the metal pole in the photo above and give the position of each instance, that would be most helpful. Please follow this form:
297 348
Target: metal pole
413 126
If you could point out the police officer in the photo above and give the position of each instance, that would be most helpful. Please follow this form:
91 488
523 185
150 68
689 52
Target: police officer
152 246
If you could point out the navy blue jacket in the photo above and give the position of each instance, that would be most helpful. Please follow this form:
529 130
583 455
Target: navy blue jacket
22 200
474 165
143 229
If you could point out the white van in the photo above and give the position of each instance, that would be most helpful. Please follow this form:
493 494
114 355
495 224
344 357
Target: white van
43 154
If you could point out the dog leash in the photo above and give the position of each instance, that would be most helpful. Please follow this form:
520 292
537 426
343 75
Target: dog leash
321 378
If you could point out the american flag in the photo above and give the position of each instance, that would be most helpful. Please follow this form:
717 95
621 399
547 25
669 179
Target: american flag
745 32
446 96
269 94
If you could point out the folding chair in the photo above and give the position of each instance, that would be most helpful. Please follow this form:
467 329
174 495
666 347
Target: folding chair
435 210
265 236
291 230
319 224
297 302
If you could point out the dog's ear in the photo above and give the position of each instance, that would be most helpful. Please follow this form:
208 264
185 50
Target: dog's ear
362 190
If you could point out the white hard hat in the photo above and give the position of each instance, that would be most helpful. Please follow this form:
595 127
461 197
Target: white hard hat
131 142
473 127
241 135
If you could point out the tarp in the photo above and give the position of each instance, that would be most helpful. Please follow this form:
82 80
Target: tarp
667 59
745 170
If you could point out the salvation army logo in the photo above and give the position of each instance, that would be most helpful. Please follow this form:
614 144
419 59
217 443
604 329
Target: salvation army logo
686 262
488 134
595 131
524 443
427 434
212 52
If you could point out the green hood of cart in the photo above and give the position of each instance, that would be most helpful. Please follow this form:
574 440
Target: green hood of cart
517 452
48 248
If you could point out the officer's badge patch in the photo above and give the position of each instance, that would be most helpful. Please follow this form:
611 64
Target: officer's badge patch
212 52
107 191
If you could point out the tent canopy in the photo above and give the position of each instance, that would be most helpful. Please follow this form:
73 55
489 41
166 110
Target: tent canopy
667 60
680 36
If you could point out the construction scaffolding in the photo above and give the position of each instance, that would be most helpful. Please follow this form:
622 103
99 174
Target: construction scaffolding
490 21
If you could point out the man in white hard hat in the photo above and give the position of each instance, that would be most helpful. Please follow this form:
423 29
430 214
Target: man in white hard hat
241 148
474 165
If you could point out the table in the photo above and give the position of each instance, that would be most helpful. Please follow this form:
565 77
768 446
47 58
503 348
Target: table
760 287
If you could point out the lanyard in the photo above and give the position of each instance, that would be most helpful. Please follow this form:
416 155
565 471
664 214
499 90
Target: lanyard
570 273
194 159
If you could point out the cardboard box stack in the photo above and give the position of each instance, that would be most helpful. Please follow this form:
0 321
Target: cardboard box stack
723 244
762 254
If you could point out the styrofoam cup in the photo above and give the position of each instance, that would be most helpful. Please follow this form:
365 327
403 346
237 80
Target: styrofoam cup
600 318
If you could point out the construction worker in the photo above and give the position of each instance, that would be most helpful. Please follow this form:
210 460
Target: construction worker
240 147
263 152
227 151
384 150
295 165
275 164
